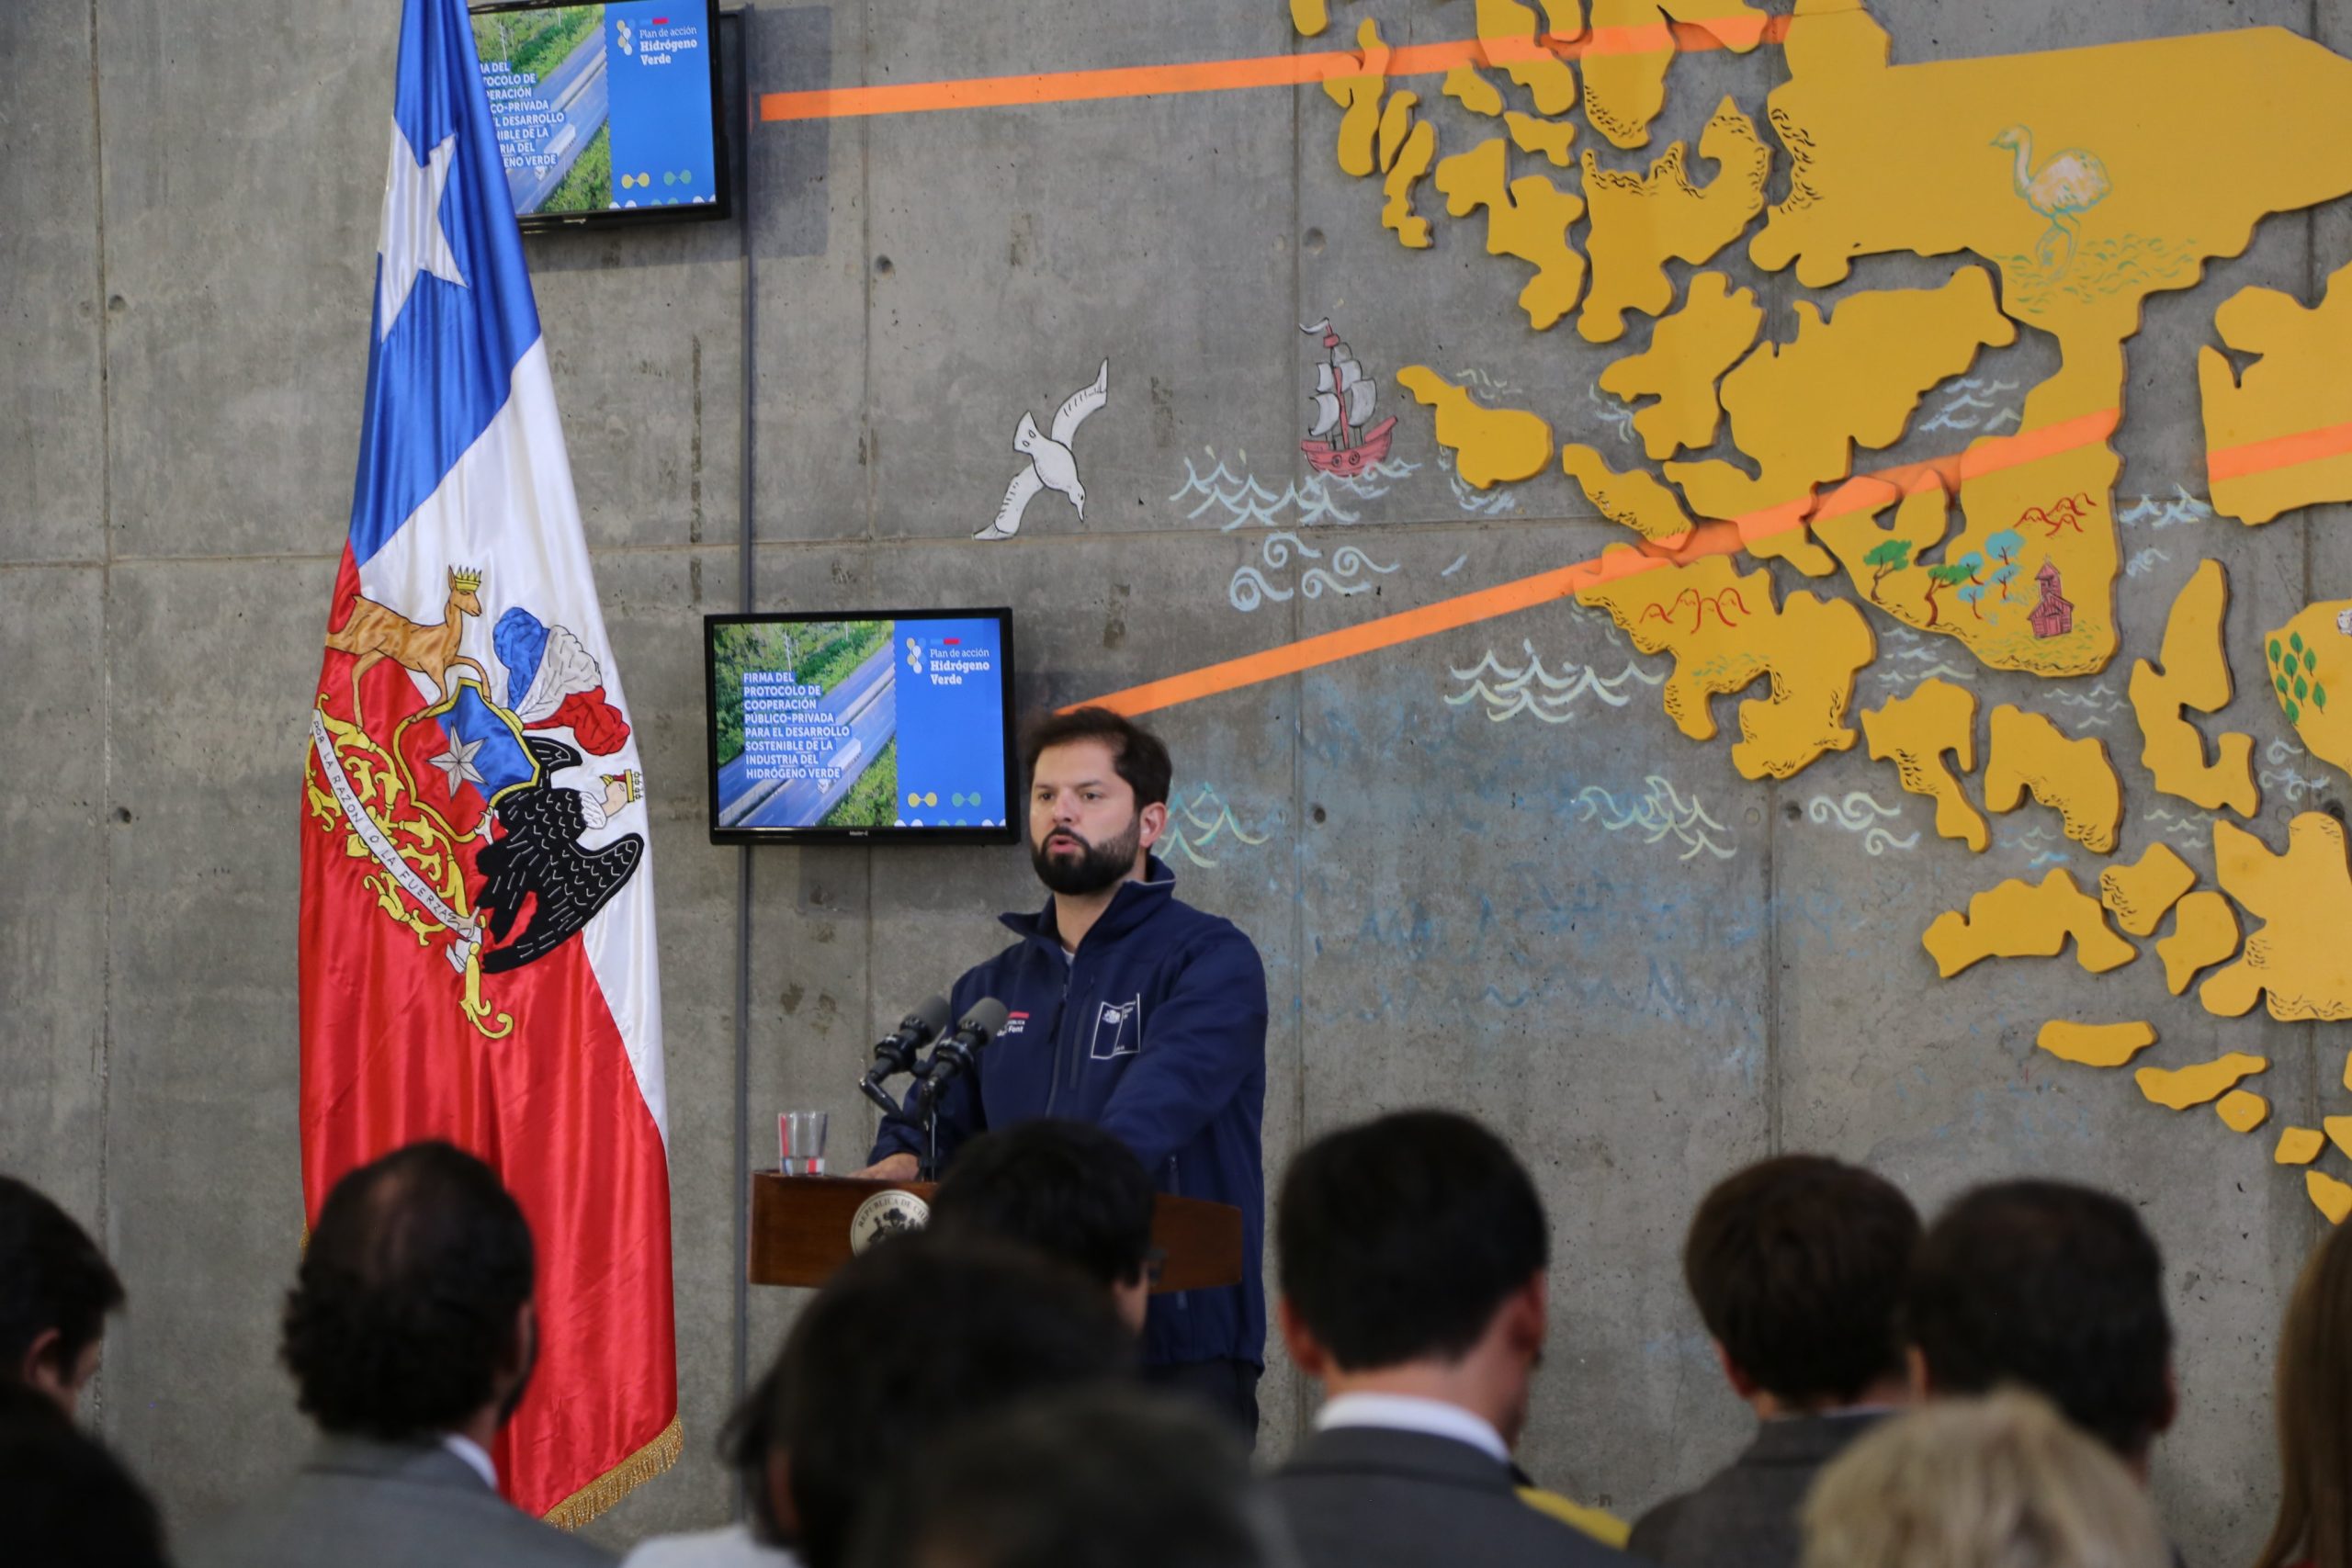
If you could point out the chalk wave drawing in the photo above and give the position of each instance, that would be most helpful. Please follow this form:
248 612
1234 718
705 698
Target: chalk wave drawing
1459 562
1210 818
1494 502
1658 813
1531 689
1612 413
1243 499
2283 775
2099 698
1344 576
1483 382
2180 507
1858 813
2144 561
2194 828
1907 659
1971 404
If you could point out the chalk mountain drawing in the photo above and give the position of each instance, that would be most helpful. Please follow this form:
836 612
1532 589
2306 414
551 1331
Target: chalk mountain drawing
1052 465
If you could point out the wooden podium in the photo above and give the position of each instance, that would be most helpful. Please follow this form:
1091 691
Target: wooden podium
801 1230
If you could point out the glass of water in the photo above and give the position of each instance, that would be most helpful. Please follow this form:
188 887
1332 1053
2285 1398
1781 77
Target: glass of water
800 1136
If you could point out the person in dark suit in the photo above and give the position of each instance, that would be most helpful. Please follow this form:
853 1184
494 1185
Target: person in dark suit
67 1502
1412 1253
56 1288
411 1336
1797 1266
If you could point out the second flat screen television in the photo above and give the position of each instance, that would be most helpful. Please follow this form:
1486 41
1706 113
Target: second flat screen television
875 725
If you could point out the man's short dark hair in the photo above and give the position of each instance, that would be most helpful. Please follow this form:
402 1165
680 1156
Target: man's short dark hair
747 1441
2056 1287
65 1502
51 1276
918 1334
403 1315
1798 1266
1069 1189
1105 1477
1401 1238
1135 751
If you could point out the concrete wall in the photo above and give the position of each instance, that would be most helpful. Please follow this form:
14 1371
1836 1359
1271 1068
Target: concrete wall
188 198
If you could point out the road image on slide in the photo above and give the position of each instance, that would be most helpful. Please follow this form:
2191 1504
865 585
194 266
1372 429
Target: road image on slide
805 715
550 94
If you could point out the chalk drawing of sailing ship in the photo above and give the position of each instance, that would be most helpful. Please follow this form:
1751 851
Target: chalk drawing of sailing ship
1344 441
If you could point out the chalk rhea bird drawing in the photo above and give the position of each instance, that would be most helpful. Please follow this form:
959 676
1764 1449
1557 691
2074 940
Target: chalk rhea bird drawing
2066 185
1343 441
1052 465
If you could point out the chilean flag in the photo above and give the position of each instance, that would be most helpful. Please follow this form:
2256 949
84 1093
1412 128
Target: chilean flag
477 928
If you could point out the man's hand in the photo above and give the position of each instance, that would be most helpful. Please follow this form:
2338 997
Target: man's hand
893 1168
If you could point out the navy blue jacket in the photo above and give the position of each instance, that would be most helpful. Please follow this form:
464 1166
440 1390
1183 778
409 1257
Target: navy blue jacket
1155 1031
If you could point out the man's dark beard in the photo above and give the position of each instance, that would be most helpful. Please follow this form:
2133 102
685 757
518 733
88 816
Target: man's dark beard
1102 865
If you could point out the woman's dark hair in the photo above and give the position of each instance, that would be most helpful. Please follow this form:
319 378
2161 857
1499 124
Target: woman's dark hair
1135 751
1069 1189
2057 1287
1798 1266
404 1314
1401 1238
2313 1399
51 1276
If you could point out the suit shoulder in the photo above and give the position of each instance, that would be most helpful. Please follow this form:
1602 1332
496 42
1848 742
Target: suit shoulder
1656 1527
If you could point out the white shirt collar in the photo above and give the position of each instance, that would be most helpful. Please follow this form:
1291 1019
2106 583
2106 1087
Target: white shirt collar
477 1458
1410 1413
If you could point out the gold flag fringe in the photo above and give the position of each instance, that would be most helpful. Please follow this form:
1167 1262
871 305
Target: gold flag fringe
620 1480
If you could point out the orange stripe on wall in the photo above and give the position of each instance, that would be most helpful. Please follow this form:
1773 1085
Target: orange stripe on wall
2278 452
1222 75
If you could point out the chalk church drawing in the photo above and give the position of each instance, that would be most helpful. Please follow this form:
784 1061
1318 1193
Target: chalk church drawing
1052 465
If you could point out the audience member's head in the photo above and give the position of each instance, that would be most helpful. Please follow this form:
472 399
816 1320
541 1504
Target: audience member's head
411 1314
1107 1477
2313 1397
1070 1189
908 1341
56 1288
65 1502
2056 1287
1412 1252
1798 1266
2001 1481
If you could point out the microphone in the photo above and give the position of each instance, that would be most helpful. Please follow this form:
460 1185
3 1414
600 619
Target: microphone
953 1055
896 1052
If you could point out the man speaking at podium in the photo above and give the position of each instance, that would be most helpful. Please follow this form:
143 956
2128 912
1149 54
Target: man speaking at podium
1133 1012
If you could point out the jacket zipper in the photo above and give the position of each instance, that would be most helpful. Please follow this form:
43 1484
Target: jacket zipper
1183 1299
1061 1040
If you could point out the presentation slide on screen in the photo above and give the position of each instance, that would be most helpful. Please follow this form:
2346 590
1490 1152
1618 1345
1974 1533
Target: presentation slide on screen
602 108
860 724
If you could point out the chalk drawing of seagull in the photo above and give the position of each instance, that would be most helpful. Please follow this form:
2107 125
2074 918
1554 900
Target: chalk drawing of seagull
1051 464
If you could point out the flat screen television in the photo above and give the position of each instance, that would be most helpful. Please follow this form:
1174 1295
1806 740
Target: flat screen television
887 725
605 113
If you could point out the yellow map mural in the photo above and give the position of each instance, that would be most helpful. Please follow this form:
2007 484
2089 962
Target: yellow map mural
2065 189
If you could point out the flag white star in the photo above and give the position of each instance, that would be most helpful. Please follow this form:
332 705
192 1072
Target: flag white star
413 240
458 762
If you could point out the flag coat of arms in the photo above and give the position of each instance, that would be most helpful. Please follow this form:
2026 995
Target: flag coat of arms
477 918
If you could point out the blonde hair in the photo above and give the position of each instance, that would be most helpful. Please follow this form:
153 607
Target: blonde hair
2314 1415
2001 1481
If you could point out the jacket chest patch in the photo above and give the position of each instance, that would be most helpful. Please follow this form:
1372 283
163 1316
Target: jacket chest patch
1118 1028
